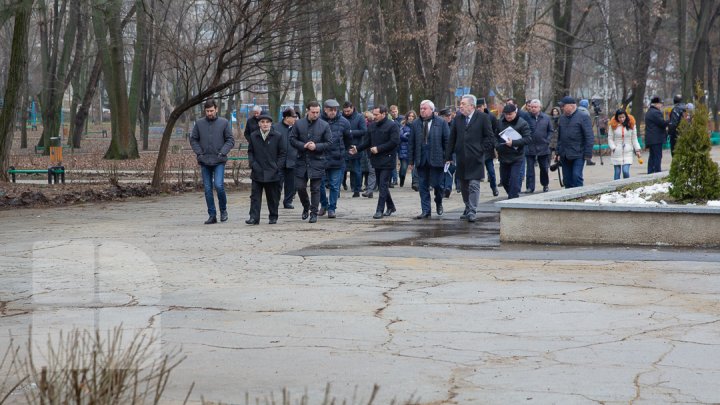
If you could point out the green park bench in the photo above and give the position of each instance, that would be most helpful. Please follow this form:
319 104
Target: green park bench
102 132
40 149
56 174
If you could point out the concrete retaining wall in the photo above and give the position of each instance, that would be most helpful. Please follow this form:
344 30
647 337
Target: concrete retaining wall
549 218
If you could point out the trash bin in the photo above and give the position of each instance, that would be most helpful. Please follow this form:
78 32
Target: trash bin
55 151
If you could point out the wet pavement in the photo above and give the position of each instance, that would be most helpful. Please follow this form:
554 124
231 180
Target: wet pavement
437 308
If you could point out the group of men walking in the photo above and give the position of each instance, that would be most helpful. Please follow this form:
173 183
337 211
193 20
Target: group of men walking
298 154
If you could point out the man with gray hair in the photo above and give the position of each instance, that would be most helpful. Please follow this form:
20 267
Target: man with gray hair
471 137
253 122
428 142
539 150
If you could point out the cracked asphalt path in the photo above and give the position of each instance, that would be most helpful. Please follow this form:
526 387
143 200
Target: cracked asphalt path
436 309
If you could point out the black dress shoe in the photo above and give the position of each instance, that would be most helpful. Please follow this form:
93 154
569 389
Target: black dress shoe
313 218
305 213
223 216
356 194
251 221
471 218
528 191
211 220
415 187
369 195
425 215
289 207
391 185
378 215
388 212
589 162
545 189
448 193
439 209
272 221
321 212
331 214
495 192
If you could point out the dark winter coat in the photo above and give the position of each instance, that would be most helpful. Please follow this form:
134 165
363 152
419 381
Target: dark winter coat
358 130
266 157
341 141
404 142
470 143
541 129
252 125
655 127
438 138
385 135
516 152
310 163
575 136
284 130
212 140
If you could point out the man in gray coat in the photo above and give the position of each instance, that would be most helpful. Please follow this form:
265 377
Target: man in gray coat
212 140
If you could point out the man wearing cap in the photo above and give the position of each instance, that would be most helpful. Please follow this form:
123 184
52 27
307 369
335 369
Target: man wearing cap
655 134
447 184
287 174
311 137
489 158
575 142
428 141
677 114
511 152
471 137
211 140
334 157
266 154
253 122
358 129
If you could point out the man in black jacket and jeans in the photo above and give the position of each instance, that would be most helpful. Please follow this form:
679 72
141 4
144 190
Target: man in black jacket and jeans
655 134
211 140
382 141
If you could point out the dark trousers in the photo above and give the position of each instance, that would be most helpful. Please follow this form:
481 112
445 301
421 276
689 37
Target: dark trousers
509 175
309 203
355 166
655 158
272 195
287 180
572 170
383 181
490 168
544 164
430 177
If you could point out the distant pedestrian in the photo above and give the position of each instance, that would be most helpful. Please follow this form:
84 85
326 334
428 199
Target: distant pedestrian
266 155
405 130
623 143
358 129
655 134
490 155
212 140
334 157
677 114
511 152
287 173
253 122
575 142
539 150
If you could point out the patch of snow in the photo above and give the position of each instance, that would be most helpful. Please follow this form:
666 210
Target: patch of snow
638 196
713 203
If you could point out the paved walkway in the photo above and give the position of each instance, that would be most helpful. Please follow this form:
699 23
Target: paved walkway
436 309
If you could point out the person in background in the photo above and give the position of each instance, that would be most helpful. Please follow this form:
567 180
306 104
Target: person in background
575 142
511 152
253 122
539 150
287 172
655 134
623 143
358 129
403 150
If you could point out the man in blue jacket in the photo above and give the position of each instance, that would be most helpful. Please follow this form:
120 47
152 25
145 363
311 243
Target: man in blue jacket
334 157
539 150
212 140
575 142
358 129
655 134
428 141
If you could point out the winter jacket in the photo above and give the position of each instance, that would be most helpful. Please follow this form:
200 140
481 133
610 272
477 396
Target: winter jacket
385 135
470 142
310 163
341 141
542 130
284 130
575 136
252 125
438 138
623 142
212 140
358 130
404 148
266 157
655 127
516 152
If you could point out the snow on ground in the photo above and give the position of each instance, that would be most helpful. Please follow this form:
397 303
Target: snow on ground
639 196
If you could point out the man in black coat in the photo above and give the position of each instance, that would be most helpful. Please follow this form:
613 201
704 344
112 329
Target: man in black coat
490 156
382 141
655 134
471 137
287 174
266 154
358 129
511 152
253 122
575 142
428 141
311 137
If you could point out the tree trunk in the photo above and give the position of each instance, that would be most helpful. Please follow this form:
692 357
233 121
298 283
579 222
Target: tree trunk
642 64
16 74
83 111
686 86
446 50
520 64
306 66
488 18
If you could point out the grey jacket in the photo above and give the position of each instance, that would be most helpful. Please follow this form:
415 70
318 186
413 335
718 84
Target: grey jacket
212 141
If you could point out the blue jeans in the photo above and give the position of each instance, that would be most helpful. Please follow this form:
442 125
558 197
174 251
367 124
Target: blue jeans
403 170
625 171
572 170
430 177
522 174
334 178
355 174
214 176
490 169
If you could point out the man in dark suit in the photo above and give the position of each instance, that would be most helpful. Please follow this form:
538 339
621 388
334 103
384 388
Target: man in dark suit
266 154
287 174
428 141
655 134
471 137
382 141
